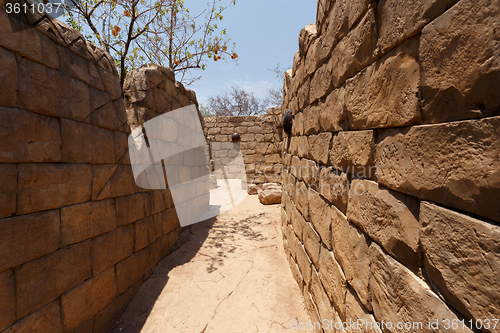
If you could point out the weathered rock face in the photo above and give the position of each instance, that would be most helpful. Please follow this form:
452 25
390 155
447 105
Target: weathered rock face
395 140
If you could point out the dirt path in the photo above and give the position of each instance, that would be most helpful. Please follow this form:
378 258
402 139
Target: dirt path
231 276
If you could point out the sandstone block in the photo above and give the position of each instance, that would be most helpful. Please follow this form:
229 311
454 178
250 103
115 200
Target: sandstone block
111 115
48 186
312 242
439 163
130 208
385 94
304 263
111 248
353 152
387 217
86 300
352 252
300 197
400 21
83 221
310 119
111 83
47 319
292 242
303 147
8 184
132 269
334 187
144 232
333 279
270 195
111 181
398 295
121 148
355 311
303 94
44 280
465 274
325 309
461 84
28 137
322 11
7 299
321 219
354 51
306 36
321 83
46 91
28 237
332 113
8 78
295 272
297 220
320 146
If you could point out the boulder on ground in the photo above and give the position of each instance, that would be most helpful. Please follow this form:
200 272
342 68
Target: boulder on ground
270 194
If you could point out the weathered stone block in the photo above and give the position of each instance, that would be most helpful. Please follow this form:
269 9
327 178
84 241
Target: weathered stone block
334 187
47 319
111 248
303 147
320 146
7 299
303 94
398 295
312 242
325 309
462 260
332 277
332 113
121 148
300 197
304 263
321 83
398 20
131 270
28 137
78 67
385 94
144 232
439 163
48 186
46 91
8 78
86 300
354 51
297 221
352 152
111 181
352 252
8 184
44 280
83 221
355 311
28 237
461 84
321 218
389 218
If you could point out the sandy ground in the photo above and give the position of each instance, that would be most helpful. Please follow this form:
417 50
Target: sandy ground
231 276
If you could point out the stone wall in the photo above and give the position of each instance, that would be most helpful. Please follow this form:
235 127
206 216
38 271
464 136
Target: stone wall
77 235
260 145
391 172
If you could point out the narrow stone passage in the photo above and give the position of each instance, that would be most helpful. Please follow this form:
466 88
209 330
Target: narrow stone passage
231 276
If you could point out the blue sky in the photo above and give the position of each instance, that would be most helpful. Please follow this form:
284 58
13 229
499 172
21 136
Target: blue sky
266 33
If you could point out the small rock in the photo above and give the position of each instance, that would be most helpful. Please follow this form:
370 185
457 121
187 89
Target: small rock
270 194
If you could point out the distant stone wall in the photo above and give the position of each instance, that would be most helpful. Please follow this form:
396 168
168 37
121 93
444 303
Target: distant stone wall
77 235
392 171
260 145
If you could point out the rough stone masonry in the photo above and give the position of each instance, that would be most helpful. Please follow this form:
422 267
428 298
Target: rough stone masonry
77 236
392 171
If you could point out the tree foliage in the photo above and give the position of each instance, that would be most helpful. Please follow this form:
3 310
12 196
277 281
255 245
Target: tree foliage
164 32
236 102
